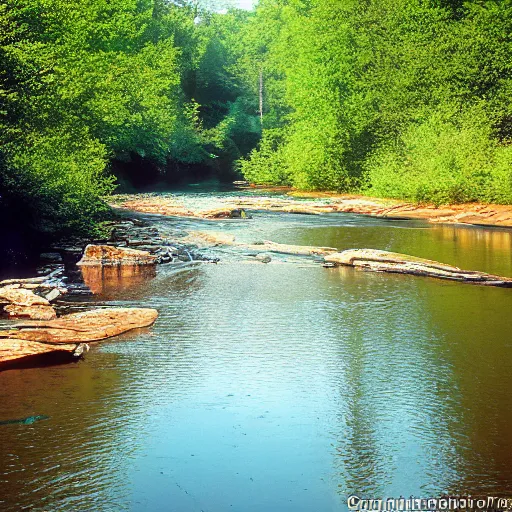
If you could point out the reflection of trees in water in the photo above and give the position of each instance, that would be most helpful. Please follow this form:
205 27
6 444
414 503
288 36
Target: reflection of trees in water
457 336
476 324
482 249
396 398
82 450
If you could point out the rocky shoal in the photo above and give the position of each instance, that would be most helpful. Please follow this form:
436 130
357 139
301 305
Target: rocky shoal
322 203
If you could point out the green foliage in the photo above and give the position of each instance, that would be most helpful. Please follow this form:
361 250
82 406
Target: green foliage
444 161
399 98
85 83
58 176
265 164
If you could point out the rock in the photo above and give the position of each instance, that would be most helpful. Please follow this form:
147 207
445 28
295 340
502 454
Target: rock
383 261
14 349
477 214
217 213
98 255
22 297
264 258
32 312
31 280
214 238
50 257
53 294
30 286
209 238
151 248
136 242
49 269
304 250
238 213
87 326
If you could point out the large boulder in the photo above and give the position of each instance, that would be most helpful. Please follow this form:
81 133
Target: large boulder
98 255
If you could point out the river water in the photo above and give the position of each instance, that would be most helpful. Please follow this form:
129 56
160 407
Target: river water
279 387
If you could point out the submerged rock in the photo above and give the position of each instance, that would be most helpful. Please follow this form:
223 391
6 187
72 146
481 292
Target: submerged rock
25 421
112 256
384 261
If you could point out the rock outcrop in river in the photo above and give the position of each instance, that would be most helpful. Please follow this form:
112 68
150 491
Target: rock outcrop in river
31 297
209 238
71 333
383 261
99 255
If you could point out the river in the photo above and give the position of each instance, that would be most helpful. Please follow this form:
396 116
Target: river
278 387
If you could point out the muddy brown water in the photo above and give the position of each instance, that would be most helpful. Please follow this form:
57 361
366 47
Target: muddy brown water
279 387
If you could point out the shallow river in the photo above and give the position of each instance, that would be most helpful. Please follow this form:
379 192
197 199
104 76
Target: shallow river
279 387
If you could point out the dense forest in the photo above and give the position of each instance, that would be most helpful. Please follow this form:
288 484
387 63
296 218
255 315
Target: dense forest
397 98
94 89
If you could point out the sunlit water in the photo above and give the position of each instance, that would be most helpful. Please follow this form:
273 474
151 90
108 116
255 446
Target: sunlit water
279 387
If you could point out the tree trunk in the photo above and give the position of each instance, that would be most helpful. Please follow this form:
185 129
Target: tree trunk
261 96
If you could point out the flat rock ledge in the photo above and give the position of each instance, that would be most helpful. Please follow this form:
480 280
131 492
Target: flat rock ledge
214 238
20 299
105 255
71 333
383 261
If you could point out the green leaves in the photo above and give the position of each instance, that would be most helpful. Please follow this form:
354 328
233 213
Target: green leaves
82 83
397 97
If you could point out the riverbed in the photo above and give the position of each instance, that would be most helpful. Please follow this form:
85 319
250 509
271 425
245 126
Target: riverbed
278 387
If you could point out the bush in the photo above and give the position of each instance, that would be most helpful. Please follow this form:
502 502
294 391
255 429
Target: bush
58 177
444 161
264 164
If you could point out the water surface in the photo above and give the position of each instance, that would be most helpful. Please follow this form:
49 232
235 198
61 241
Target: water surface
279 387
